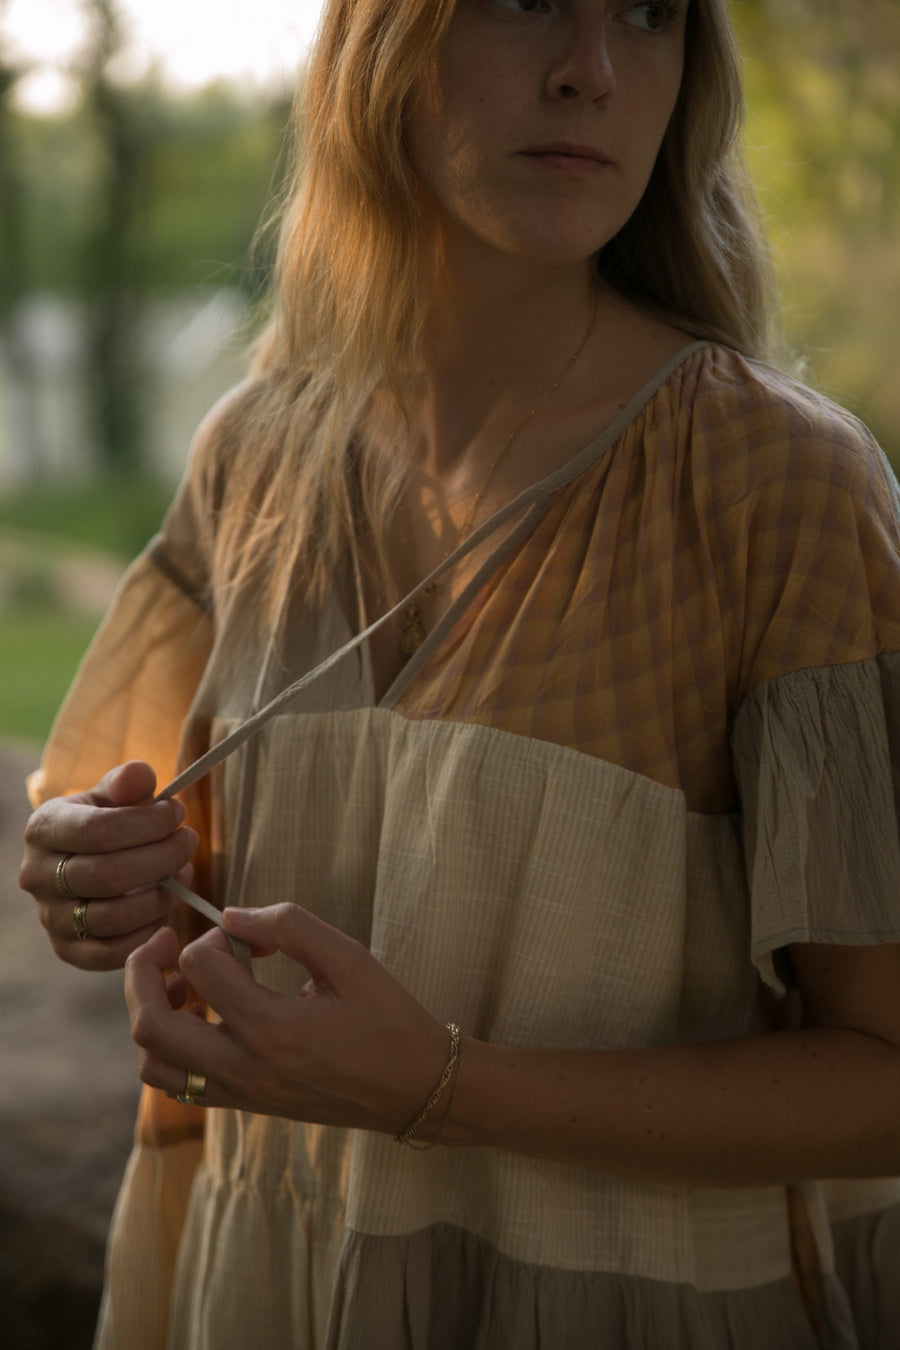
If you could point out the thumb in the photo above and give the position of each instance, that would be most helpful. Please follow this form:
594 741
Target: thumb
128 785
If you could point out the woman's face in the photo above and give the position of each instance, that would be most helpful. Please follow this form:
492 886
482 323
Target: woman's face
536 129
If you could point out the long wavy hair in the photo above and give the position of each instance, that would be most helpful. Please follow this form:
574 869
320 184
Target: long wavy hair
300 488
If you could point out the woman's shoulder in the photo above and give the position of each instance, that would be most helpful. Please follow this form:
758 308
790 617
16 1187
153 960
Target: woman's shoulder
185 544
751 426
223 434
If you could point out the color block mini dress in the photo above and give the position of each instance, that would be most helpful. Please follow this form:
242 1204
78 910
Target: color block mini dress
656 745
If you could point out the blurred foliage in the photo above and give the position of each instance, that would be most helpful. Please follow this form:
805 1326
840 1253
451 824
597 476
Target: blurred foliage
40 647
823 136
118 514
823 83
208 166
137 192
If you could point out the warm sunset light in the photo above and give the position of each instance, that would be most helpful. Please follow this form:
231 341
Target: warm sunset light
191 42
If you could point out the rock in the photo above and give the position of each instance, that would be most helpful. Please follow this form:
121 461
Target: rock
76 577
68 1093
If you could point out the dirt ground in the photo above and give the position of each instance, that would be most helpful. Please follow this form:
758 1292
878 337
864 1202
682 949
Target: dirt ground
68 1091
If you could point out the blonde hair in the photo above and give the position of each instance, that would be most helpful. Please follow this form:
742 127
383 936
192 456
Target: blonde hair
300 487
695 249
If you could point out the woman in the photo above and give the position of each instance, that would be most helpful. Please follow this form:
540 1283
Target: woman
535 869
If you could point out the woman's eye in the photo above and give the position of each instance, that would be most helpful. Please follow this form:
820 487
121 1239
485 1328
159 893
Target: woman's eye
651 18
523 6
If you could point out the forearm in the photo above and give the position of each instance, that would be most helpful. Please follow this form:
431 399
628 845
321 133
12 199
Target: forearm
823 1102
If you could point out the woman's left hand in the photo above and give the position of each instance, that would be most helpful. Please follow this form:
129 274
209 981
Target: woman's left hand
353 1048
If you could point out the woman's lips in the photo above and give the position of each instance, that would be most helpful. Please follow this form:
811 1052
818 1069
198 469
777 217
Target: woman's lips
578 161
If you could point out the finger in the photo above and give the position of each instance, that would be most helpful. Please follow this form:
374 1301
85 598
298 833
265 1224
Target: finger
225 985
172 1079
330 956
107 919
169 1041
148 985
178 991
95 876
92 953
114 927
81 825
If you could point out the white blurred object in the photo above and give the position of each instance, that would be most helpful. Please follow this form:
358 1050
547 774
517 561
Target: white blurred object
183 340
175 36
43 410
192 348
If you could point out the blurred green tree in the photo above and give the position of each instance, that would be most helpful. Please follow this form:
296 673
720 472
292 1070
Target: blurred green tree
13 250
136 194
124 133
15 276
823 85
142 192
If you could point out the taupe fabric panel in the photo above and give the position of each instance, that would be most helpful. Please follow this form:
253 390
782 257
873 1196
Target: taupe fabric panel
867 1250
816 756
443 1289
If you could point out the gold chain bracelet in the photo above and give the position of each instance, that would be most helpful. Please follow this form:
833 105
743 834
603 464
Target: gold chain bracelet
406 1136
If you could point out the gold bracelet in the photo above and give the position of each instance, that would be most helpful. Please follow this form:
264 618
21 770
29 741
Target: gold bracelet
406 1136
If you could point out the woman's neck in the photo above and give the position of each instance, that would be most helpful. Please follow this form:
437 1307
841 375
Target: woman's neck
497 335
522 363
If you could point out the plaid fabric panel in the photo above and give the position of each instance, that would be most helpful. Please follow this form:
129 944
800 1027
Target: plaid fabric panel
740 529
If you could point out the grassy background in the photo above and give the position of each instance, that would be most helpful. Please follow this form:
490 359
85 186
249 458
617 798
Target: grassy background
47 617
40 648
118 515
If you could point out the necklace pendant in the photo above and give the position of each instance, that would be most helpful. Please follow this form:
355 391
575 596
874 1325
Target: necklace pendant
412 631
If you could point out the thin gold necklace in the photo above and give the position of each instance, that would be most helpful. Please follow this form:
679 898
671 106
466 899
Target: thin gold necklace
412 627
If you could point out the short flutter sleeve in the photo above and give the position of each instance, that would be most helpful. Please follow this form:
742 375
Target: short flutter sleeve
134 687
816 735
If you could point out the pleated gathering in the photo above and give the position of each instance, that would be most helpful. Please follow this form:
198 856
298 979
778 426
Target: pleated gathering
815 756
442 1289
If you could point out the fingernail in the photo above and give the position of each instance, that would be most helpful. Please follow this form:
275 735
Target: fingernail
237 918
180 811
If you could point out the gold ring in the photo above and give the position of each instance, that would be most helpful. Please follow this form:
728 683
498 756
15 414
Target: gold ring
61 884
82 932
194 1088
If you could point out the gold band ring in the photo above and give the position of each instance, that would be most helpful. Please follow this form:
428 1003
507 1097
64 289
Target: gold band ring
61 884
82 932
194 1088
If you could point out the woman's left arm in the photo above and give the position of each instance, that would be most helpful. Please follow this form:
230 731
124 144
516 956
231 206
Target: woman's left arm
357 1049
822 1101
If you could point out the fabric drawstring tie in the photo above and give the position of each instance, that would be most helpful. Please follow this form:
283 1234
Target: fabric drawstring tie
531 505
255 723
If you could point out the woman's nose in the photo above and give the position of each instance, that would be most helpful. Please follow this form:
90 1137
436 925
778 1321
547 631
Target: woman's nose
581 64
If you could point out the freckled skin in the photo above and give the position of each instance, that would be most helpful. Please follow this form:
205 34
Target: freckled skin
506 81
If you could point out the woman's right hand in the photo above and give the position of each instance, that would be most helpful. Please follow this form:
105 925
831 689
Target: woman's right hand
120 843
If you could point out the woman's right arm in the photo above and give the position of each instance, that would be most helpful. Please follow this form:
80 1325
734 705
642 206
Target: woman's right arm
120 843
